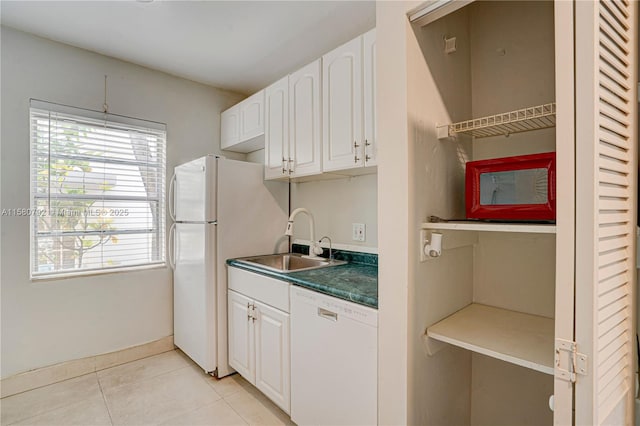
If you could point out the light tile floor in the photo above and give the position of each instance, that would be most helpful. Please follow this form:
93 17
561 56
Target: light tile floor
166 389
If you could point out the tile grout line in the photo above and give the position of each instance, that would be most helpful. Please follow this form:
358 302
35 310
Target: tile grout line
234 410
255 399
104 398
95 368
224 398
144 379
64 405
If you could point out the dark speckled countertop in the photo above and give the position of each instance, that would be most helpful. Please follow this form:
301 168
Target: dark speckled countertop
357 281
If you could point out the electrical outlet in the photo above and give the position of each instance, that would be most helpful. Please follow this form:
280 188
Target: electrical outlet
358 232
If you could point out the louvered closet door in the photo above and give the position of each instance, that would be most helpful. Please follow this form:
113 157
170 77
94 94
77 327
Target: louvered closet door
606 167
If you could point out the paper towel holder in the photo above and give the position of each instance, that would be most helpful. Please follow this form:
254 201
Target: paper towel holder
430 245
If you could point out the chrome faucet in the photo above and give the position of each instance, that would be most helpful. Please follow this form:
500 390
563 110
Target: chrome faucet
314 248
330 250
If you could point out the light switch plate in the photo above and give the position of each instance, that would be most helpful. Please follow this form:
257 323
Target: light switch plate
358 232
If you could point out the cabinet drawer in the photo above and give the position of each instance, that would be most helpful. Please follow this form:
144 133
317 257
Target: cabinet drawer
267 290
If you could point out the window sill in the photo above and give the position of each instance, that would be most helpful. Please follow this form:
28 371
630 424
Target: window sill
89 273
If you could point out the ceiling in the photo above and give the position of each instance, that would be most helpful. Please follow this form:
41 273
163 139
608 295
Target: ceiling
236 45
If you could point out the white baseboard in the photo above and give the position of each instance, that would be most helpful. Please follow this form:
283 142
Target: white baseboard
44 376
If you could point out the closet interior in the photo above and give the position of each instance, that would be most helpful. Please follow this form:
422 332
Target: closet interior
488 301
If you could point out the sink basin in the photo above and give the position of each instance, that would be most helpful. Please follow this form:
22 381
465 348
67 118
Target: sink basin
289 262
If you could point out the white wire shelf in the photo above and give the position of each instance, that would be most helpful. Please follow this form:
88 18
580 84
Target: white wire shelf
522 120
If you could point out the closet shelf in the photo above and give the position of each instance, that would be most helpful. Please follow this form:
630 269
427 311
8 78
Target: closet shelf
522 120
515 337
532 228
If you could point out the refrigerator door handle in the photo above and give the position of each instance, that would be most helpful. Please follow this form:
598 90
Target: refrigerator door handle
172 201
172 246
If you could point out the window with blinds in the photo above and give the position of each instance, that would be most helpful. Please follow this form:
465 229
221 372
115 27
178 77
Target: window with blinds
97 191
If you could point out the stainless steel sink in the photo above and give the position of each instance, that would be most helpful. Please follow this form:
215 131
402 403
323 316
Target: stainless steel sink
289 262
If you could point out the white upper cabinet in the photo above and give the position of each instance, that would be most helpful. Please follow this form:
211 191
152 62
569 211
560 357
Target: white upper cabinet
349 115
230 127
305 143
342 107
242 125
293 144
252 116
369 95
276 130
319 118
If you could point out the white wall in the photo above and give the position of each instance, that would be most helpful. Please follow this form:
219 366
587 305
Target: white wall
336 205
439 90
521 76
393 207
46 322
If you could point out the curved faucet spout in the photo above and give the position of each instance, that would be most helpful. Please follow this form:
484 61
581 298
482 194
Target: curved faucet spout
314 248
326 237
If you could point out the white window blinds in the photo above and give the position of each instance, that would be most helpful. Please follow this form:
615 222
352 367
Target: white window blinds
97 191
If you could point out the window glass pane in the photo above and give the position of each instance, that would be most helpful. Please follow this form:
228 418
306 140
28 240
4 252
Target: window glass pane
529 186
98 194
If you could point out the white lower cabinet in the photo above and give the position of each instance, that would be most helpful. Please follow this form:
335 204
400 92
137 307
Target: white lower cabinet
259 348
241 346
271 345
313 355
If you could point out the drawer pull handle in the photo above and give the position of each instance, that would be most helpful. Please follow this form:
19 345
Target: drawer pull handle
323 313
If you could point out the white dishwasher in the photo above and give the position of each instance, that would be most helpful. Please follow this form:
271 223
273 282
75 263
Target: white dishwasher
334 360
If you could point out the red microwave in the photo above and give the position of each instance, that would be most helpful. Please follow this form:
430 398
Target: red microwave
521 188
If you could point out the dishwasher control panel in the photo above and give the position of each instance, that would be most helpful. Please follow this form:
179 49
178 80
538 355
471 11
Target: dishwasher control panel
333 308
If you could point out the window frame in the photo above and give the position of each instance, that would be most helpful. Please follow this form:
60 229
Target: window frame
89 118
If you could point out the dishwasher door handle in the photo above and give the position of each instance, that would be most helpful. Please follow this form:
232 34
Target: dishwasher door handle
323 313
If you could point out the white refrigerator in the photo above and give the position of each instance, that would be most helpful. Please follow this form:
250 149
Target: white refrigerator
221 209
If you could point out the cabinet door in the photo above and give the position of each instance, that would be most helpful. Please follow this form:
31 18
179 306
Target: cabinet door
230 127
305 143
276 130
369 95
606 208
343 144
272 354
241 345
252 116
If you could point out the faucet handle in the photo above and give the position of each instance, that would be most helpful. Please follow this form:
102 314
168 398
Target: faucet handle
289 230
315 248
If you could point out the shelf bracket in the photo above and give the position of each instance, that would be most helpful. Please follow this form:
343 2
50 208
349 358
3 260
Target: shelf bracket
443 132
568 361
431 345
